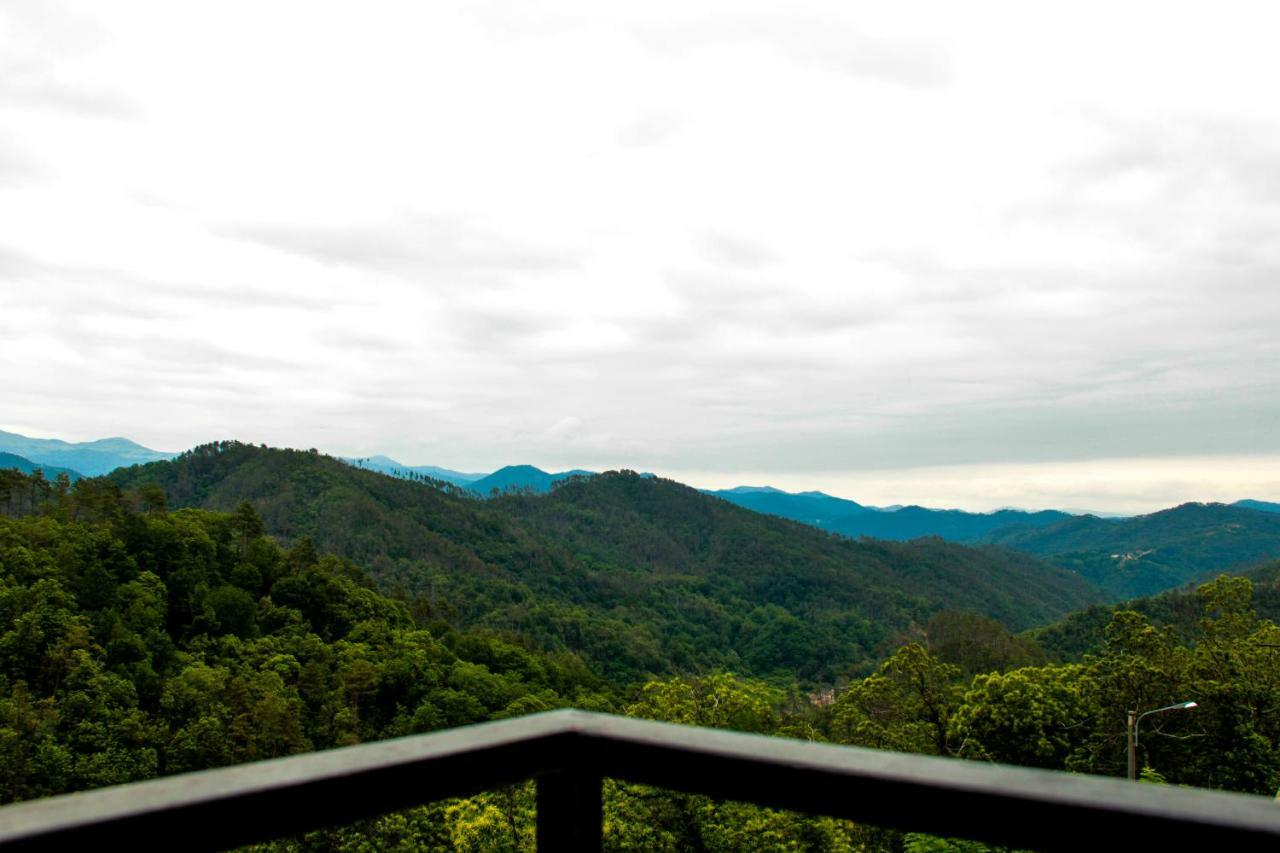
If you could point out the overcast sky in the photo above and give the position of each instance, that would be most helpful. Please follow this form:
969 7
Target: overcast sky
968 254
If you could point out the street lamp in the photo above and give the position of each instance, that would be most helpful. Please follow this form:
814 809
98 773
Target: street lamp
1134 719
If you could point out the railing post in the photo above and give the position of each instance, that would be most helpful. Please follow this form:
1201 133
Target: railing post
570 817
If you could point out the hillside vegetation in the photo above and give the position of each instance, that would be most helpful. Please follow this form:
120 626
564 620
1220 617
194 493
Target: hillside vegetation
1147 554
640 575
138 640
1179 610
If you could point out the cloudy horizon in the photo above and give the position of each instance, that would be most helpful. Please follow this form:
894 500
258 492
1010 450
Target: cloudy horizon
978 257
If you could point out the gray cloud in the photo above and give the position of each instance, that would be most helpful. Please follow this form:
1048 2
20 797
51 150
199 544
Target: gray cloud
13 262
826 43
411 246
1182 159
496 328
707 303
357 343
766 303
32 88
177 355
1034 431
118 291
649 129
17 166
731 251
42 36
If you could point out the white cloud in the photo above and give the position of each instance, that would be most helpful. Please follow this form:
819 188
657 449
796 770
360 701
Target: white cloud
730 237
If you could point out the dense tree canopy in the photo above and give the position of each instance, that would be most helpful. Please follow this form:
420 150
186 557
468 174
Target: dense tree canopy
636 574
139 640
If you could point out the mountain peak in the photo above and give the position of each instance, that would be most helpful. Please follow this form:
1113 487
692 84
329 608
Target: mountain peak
90 458
519 469
522 478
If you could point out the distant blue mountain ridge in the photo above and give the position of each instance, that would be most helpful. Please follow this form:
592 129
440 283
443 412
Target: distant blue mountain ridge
522 478
1261 506
850 518
90 458
387 465
818 509
512 478
26 466
837 515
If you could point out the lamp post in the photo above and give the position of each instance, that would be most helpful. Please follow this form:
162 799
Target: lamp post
1134 719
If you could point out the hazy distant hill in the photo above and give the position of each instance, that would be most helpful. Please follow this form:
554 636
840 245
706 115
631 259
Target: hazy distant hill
911 522
849 518
1146 554
90 458
389 466
814 508
1261 506
26 466
638 574
513 478
518 478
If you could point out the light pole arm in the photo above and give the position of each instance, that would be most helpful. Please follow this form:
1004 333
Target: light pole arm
1178 707
1134 719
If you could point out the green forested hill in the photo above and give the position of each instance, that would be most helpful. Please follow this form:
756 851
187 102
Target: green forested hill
1147 554
1084 632
621 519
639 575
136 640
134 644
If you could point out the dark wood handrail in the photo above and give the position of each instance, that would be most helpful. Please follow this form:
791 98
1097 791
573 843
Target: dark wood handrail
569 752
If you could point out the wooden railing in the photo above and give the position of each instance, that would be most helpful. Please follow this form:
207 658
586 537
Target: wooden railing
569 753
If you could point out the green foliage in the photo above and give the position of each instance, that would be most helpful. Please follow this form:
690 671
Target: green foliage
1148 554
1036 716
134 644
906 705
138 640
915 842
1181 610
719 701
640 576
641 818
976 643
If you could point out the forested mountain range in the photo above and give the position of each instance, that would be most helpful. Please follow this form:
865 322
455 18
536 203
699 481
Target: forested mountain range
1145 554
90 458
11 461
139 639
850 518
1126 556
640 574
